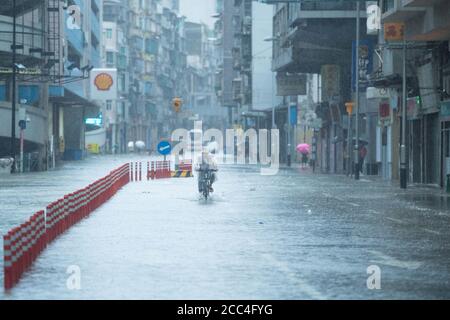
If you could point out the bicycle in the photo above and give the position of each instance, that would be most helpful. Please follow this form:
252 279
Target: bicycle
205 180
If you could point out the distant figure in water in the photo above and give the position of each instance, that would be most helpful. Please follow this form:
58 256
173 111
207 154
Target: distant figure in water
305 159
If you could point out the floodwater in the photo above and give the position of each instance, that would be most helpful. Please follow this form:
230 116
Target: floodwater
291 236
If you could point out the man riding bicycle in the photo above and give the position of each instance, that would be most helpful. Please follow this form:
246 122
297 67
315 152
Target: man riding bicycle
207 163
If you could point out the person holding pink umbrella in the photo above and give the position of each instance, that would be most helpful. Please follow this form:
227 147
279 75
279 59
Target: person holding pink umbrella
304 149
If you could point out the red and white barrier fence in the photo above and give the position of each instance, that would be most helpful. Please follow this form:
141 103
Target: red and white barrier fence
23 244
154 170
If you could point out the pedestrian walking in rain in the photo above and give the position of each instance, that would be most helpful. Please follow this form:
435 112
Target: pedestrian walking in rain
362 157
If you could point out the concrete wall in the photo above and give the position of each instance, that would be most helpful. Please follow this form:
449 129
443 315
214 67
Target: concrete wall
36 129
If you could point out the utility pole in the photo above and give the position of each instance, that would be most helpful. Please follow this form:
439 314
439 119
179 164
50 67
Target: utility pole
13 99
288 135
274 126
356 151
403 173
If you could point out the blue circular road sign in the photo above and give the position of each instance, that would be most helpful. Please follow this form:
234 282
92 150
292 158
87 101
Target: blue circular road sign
164 148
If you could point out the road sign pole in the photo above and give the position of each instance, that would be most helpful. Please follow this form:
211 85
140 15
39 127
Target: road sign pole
21 150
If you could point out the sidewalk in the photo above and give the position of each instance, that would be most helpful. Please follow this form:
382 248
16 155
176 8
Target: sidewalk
426 198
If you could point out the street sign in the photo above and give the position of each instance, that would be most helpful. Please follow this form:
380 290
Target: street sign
291 85
94 121
103 84
366 51
293 114
164 148
394 31
22 124
331 82
384 113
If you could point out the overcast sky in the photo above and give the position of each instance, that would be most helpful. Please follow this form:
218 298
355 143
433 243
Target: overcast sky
198 10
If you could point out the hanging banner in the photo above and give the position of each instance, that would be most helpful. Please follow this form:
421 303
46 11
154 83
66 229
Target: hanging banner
366 49
103 84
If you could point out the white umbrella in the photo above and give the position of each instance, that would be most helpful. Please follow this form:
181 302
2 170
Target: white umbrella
140 145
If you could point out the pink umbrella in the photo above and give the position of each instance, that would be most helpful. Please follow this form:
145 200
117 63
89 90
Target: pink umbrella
303 148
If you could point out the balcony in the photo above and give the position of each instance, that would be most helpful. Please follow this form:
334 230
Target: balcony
397 11
433 25
283 59
420 3
326 10
76 38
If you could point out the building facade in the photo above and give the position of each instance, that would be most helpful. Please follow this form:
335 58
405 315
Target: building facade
201 70
305 42
144 40
426 32
31 96
234 38
56 47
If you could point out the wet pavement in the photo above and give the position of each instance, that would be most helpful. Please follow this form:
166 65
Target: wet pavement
291 236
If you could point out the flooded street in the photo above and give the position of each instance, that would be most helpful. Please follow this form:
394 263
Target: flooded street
290 236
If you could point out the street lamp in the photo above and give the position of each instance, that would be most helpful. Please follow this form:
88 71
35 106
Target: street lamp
274 126
356 151
277 38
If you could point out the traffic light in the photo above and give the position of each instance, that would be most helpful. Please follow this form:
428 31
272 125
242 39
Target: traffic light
349 106
177 103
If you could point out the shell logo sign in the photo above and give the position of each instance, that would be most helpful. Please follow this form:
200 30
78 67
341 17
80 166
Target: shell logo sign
103 84
103 81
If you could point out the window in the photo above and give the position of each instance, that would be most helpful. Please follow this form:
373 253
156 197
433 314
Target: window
388 5
109 57
122 81
2 91
108 105
109 33
29 93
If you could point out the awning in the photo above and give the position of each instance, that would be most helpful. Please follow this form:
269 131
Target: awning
70 99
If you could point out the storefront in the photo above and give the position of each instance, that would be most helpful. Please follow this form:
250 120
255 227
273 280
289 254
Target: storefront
445 144
415 141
